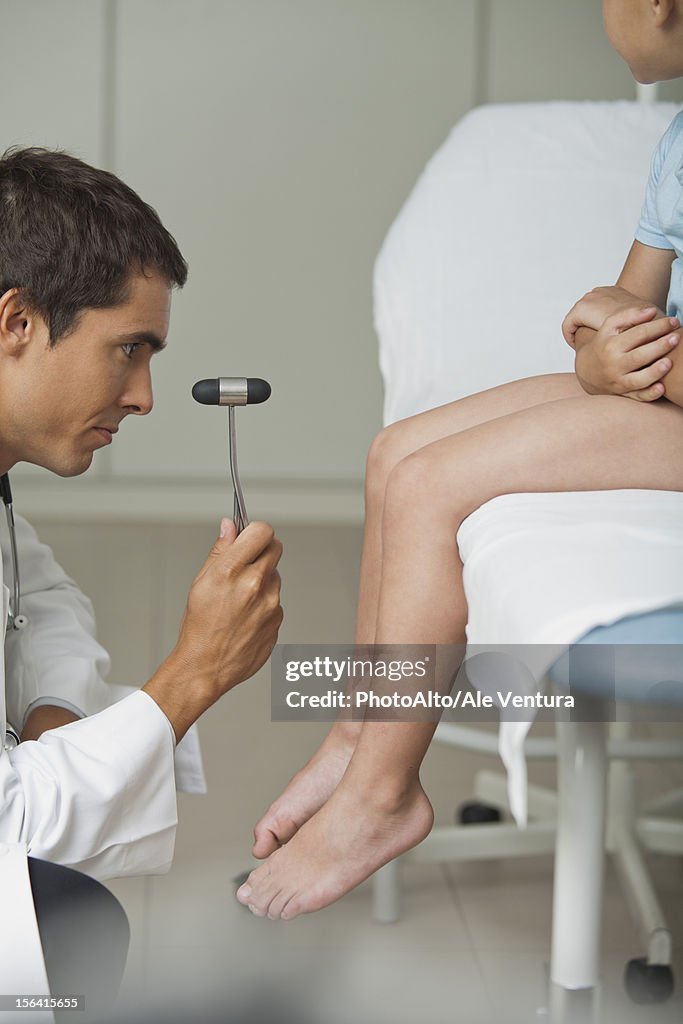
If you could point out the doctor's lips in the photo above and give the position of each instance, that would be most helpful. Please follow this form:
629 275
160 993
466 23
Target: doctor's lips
106 433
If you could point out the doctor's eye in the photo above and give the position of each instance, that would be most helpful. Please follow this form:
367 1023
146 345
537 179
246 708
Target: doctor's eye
130 347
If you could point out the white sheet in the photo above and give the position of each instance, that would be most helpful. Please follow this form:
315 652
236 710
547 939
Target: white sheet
543 569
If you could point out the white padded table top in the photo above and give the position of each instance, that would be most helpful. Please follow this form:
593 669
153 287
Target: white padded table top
546 568
541 570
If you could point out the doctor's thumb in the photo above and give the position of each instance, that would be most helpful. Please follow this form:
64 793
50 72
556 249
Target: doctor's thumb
228 530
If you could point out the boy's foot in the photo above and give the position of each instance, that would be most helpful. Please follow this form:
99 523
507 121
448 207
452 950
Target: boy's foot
349 838
307 791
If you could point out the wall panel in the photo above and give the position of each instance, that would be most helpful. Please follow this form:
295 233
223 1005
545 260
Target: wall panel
278 140
555 50
52 75
54 72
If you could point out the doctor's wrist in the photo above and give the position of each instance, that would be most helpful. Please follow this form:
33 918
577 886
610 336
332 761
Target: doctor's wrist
182 698
44 718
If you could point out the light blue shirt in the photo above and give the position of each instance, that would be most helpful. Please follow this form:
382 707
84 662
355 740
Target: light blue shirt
661 219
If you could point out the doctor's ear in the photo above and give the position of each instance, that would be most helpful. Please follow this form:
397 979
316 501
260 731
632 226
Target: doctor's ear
17 322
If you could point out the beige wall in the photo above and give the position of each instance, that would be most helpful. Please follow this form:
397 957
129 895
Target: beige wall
278 139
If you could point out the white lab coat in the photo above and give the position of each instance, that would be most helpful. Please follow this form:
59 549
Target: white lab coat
98 795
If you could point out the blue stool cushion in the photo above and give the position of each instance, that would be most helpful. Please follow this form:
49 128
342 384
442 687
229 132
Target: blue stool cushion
639 658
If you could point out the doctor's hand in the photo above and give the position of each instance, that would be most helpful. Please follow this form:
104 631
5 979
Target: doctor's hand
229 628
628 355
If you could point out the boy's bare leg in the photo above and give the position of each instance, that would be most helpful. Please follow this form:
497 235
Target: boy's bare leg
314 783
379 809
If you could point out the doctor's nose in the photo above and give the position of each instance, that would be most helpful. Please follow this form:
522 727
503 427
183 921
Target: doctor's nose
138 398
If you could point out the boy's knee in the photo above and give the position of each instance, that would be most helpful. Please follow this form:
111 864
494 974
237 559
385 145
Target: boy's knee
409 481
386 451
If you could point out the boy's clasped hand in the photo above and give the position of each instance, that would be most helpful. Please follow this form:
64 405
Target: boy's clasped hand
627 354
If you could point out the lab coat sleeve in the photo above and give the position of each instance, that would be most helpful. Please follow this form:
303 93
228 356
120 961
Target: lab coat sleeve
56 658
97 795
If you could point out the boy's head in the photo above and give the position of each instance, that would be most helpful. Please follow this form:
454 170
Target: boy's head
648 34
86 272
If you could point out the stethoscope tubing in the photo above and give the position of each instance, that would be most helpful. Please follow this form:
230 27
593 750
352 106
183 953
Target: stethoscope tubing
16 619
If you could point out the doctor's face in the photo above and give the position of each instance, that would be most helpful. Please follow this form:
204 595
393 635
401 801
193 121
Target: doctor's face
59 404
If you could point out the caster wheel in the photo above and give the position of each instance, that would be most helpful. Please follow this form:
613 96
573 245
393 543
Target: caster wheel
478 814
648 983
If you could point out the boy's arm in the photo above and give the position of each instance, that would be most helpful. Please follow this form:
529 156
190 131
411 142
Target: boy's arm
617 359
629 355
644 281
647 274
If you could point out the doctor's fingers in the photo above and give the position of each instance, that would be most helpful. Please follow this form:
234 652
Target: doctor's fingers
269 558
263 592
250 585
234 552
263 612
251 543
254 577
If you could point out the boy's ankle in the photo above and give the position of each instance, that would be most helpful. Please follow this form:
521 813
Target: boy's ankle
345 733
387 794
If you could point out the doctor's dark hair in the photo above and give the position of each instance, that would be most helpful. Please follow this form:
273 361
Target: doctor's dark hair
71 235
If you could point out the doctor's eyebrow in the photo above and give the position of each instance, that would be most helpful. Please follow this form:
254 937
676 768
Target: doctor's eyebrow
142 337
